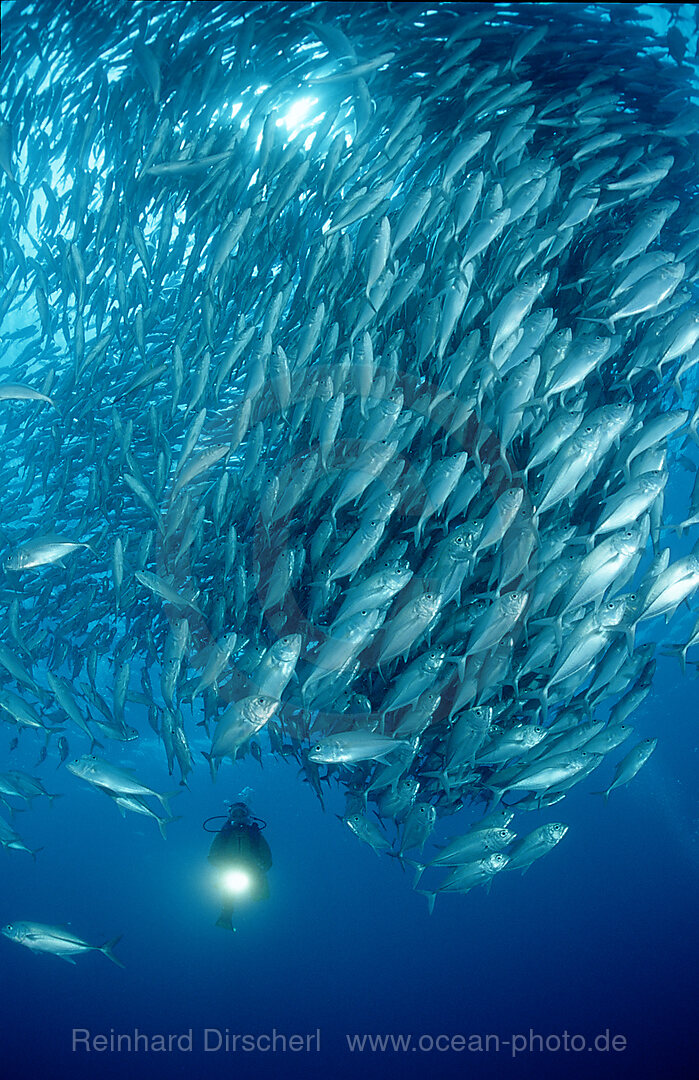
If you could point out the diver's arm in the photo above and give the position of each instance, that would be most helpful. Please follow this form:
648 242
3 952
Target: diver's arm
217 851
263 855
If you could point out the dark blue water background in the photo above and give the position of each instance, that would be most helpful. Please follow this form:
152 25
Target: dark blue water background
602 934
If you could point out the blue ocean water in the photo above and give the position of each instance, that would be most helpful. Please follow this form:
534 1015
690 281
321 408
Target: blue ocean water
599 936
598 941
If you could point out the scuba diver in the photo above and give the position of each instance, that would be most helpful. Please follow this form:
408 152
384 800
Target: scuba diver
242 855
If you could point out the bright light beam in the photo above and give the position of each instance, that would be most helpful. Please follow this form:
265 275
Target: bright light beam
296 114
237 882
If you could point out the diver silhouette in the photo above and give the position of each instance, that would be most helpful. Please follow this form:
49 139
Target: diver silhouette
242 856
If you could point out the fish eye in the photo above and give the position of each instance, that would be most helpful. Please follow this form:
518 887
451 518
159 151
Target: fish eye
610 605
589 428
459 539
317 747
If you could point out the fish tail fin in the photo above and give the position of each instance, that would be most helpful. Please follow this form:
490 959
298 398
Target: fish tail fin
419 871
678 651
431 896
609 323
693 429
212 764
54 796
505 463
604 793
539 403
555 623
167 797
107 949
162 822
34 852
543 695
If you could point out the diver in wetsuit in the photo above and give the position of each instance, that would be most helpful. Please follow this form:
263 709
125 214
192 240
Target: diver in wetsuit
242 854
